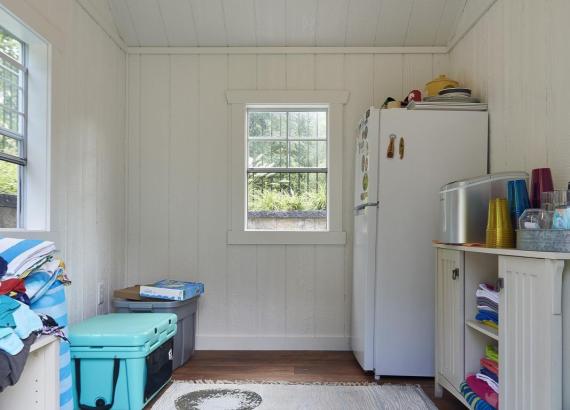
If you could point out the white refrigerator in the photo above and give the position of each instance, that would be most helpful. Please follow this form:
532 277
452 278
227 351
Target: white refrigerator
403 157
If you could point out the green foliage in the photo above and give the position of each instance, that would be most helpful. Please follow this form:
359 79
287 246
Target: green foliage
8 178
282 201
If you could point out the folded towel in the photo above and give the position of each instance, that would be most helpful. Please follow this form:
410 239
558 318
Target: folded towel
476 402
488 291
490 374
486 315
490 382
483 390
23 254
487 302
491 352
490 324
490 364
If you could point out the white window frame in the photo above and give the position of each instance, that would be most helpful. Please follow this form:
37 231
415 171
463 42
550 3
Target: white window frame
239 101
36 193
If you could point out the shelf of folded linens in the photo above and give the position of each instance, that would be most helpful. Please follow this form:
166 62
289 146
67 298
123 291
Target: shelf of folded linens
483 328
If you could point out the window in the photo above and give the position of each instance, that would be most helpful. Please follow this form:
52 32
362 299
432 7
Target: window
287 159
286 162
13 128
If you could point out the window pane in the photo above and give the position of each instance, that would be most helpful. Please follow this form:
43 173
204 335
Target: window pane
303 125
9 191
267 154
287 201
9 45
9 146
267 124
322 125
11 101
308 154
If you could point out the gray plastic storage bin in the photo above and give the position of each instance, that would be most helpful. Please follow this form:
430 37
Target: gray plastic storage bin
185 310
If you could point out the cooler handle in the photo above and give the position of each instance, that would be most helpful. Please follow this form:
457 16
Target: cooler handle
141 307
100 403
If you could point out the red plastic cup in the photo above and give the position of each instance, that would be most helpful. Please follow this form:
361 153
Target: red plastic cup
541 182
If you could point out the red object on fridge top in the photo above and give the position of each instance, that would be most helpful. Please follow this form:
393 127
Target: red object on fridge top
541 182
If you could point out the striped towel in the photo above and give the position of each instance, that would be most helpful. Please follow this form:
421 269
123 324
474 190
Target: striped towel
22 255
476 402
53 303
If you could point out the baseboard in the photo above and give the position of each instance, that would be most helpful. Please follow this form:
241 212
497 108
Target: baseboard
207 342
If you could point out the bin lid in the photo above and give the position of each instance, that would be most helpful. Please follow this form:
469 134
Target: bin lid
121 329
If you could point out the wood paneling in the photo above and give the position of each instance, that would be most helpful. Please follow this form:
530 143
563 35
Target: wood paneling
87 143
257 296
516 59
293 22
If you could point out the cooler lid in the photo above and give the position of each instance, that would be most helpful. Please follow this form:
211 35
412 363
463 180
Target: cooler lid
488 178
121 329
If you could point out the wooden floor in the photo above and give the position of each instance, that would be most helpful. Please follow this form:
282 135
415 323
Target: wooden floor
293 366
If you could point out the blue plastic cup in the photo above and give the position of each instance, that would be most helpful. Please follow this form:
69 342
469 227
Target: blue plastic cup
518 199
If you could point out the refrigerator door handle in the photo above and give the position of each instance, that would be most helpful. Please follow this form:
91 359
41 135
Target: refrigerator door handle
366 205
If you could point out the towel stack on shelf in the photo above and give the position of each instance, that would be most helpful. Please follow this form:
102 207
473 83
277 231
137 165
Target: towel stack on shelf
481 390
32 283
488 305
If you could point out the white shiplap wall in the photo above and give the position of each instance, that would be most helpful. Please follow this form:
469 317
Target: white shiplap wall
517 58
87 149
178 201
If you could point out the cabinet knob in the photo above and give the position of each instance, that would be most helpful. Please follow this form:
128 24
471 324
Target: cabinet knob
455 273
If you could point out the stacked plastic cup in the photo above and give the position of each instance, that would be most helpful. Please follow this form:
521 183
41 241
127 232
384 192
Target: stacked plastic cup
505 235
491 233
518 199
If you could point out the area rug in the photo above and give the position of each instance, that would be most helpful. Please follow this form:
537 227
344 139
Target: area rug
217 395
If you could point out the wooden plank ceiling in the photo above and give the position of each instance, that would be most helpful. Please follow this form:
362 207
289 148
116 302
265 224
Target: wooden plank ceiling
338 23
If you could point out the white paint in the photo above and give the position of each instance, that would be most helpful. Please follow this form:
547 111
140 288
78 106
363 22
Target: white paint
292 23
257 296
87 148
516 58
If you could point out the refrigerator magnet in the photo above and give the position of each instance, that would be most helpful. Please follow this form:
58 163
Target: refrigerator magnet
390 153
401 148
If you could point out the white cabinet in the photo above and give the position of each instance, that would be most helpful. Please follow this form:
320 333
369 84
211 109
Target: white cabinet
534 316
449 314
530 348
38 387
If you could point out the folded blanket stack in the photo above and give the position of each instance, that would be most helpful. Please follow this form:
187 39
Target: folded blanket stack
481 390
32 303
488 305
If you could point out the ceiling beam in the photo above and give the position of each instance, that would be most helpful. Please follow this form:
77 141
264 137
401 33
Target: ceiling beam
287 50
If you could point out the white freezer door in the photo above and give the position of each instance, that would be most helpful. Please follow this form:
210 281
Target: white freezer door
439 147
364 245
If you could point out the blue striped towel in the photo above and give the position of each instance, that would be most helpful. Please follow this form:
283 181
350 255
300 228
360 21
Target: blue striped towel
53 303
24 254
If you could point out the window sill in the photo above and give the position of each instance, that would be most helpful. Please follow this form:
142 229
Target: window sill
286 238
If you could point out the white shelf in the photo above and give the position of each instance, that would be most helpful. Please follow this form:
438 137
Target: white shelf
482 328
506 252
41 342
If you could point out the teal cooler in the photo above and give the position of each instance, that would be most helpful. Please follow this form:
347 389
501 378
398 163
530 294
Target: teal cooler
121 360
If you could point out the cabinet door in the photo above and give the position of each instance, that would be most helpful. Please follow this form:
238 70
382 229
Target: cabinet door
450 316
530 337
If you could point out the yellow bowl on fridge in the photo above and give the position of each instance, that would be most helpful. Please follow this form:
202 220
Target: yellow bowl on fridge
437 84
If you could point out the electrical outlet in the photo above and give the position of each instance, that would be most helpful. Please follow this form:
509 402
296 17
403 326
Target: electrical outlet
101 293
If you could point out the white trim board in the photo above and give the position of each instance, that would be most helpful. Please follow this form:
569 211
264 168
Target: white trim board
221 342
287 50
111 31
287 97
